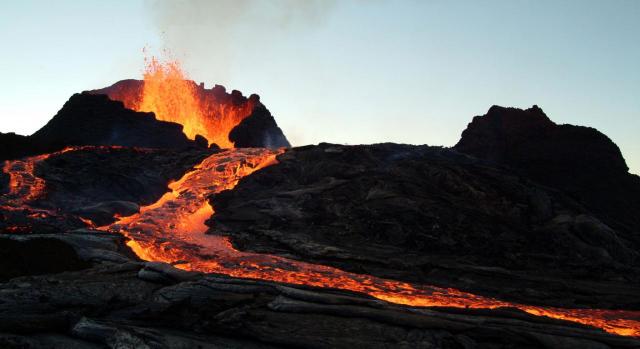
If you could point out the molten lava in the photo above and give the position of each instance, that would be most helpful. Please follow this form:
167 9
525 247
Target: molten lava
24 185
25 189
172 230
171 96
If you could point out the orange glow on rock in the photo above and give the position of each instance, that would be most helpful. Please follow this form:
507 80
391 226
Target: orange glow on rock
24 185
171 96
172 230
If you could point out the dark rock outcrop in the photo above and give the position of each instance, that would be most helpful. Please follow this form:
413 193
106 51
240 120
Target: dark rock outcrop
36 256
88 119
83 178
103 212
430 215
128 91
13 146
258 130
580 161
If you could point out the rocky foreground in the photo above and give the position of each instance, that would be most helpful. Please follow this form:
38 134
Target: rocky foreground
431 215
472 217
106 298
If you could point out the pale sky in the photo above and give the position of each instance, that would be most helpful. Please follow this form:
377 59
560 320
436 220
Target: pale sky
342 71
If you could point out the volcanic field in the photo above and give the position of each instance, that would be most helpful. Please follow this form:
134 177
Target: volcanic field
158 213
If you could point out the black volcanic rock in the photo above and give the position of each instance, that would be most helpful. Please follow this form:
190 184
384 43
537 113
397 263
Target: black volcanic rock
430 215
580 161
529 140
128 91
13 146
113 300
84 178
88 119
98 182
258 130
36 256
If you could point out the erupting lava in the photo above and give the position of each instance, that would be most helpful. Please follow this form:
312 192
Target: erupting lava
171 96
172 230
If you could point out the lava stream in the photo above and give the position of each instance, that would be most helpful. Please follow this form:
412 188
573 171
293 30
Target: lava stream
172 230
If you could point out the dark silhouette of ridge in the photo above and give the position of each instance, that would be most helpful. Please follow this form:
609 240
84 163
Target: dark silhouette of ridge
87 119
580 161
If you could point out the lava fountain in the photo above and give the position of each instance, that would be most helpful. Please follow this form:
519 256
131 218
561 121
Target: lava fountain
168 92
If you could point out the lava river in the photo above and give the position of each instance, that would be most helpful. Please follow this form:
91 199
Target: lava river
172 230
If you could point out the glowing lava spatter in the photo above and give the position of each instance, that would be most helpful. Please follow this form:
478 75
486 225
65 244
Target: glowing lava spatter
171 96
172 230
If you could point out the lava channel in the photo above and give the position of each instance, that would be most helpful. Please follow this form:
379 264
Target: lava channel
172 230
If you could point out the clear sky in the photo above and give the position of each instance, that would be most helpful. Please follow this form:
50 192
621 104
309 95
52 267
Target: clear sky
342 71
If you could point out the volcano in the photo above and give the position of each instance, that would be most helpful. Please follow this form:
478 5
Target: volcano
159 213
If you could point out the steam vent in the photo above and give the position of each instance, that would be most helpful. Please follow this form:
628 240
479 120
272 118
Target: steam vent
158 213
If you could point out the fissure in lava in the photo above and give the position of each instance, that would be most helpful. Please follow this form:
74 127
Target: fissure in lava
172 230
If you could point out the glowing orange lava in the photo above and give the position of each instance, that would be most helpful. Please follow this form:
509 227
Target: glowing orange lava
171 96
24 185
172 230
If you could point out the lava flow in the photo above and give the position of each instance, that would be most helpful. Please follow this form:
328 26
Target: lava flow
172 230
25 188
24 185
